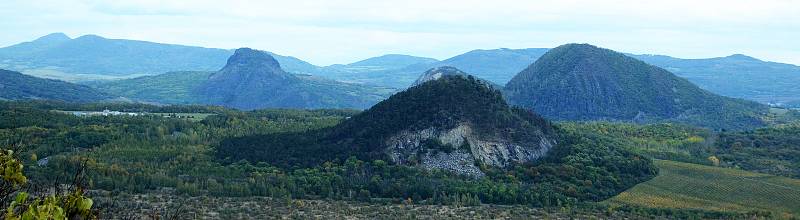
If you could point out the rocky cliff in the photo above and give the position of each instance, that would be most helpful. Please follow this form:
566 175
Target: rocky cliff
460 150
452 122
253 79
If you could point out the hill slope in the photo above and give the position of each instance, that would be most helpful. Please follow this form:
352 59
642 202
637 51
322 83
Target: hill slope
455 125
167 88
691 186
253 79
584 82
455 114
17 86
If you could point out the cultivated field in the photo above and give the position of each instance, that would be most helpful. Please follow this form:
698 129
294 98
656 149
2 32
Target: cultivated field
691 186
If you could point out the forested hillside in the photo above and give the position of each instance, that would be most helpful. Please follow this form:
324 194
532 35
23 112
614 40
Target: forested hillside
167 88
17 86
584 82
151 152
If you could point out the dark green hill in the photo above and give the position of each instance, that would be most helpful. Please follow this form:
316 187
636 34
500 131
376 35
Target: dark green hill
452 113
459 125
17 86
584 82
253 79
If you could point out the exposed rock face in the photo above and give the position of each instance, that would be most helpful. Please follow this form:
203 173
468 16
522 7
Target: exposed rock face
436 73
465 149
251 63
253 79
439 72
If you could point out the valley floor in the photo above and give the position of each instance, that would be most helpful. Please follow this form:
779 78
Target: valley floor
164 205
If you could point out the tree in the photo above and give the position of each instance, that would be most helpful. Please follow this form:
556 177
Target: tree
73 205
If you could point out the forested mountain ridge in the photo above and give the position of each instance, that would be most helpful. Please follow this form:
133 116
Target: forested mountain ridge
584 82
18 86
253 79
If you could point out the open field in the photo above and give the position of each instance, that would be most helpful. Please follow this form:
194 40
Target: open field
691 186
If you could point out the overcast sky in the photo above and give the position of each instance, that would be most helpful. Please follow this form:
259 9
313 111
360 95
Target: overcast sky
328 32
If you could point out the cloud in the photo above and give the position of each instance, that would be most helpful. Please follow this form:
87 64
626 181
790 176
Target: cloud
326 32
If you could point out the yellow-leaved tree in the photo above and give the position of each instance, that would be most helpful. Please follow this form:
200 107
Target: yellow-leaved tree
73 205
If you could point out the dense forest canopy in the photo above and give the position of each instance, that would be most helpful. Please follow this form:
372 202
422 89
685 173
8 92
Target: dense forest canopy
137 154
583 82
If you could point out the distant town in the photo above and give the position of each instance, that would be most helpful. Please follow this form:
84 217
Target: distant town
191 116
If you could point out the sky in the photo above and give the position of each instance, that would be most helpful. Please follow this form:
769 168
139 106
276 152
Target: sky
327 32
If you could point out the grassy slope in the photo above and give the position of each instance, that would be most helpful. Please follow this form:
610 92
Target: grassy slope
691 186
168 88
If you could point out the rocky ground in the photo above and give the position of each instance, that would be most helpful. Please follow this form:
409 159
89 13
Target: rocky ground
166 205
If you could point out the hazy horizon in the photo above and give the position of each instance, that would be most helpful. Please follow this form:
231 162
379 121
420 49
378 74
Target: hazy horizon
325 33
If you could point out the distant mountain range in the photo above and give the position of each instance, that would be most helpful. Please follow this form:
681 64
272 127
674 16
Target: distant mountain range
497 66
251 79
92 57
18 86
581 82
737 76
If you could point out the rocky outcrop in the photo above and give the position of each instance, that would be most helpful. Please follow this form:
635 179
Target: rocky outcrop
458 149
436 73
439 72
253 79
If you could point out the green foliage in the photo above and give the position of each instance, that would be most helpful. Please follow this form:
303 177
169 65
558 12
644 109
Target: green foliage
11 169
773 150
662 141
142 153
56 206
51 207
